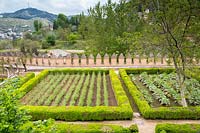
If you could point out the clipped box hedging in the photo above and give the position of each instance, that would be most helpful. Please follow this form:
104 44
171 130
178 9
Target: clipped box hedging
160 112
26 87
76 71
177 128
195 73
73 113
94 128
27 77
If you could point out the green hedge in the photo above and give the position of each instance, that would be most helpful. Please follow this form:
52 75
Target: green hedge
160 112
176 128
26 87
94 128
195 73
73 113
75 71
149 70
27 77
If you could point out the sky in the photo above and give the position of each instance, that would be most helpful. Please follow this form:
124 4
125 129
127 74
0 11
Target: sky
67 7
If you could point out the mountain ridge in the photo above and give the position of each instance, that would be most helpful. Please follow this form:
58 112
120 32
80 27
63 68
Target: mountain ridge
30 13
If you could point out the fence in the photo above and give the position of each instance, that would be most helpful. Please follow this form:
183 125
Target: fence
91 61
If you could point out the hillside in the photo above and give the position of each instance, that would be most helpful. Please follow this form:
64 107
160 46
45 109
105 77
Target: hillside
6 23
30 13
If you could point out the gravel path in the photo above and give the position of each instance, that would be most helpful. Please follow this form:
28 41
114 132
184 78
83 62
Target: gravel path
145 126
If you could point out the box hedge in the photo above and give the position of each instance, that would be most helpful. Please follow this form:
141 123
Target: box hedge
94 128
177 128
160 112
73 113
27 77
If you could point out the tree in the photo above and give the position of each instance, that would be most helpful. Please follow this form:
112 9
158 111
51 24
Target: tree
51 39
61 22
37 25
176 25
28 48
55 25
106 24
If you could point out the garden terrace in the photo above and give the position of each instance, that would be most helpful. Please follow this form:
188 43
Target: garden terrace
154 90
162 89
72 89
76 94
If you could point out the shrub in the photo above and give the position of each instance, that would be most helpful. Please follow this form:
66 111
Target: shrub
176 128
95 128
27 77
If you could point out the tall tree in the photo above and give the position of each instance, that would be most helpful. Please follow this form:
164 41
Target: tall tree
37 25
175 24
61 21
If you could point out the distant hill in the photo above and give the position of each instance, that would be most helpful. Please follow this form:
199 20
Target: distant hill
7 23
30 13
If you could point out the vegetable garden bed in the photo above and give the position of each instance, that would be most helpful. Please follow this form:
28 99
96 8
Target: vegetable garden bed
161 87
76 94
72 89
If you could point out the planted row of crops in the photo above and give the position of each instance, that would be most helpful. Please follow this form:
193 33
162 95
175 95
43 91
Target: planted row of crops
164 88
82 89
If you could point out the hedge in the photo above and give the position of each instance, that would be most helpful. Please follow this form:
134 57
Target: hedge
94 128
27 77
73 113
75 71
195 73
26 87
160 112
177 128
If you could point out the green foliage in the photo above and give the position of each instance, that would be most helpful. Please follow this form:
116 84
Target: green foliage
12 117
27 77
95 128
73 38
105 26
37 25
28 47
90 92
61 22
177 128
31 83
161 112
46 126
5 44
51 40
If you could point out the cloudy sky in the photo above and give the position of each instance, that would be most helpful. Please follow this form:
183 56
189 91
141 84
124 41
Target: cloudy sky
68 7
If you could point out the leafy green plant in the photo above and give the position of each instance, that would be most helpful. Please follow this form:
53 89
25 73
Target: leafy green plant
77 90
98 98
84 91
91 89
106 103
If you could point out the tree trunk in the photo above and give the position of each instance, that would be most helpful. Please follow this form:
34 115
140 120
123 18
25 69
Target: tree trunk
182 91
24 65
